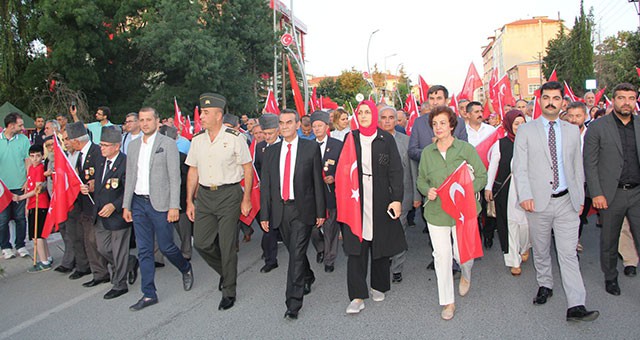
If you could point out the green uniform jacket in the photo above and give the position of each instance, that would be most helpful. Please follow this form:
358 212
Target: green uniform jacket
433 170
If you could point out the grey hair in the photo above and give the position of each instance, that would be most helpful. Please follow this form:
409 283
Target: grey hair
132 114
54 123
387 108
82 139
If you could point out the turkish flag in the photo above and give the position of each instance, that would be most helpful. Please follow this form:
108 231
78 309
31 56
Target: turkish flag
424 89
537 110
493 96
453 104
66 187
177 115
638 70
255 189
471 83
348 188
271 105
486 112
314 104
297 96
503 95
459 201
599 96
484 147
412 111
569 92
553 76
5 196
328 103
197 124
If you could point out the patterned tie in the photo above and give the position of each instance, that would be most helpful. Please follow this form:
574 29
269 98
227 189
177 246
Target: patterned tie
554 154
287 174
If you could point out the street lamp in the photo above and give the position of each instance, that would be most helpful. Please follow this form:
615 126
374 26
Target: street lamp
373 85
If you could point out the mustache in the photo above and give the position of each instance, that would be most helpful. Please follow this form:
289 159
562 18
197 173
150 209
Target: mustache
550 106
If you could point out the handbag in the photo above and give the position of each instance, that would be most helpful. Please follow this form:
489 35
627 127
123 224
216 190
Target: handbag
491 206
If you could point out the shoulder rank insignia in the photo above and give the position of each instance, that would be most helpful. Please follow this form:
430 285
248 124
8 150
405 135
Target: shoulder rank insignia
199 133
233 132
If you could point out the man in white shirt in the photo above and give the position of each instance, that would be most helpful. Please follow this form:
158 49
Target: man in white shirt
477 130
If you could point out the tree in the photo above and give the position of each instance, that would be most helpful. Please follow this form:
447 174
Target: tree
616 58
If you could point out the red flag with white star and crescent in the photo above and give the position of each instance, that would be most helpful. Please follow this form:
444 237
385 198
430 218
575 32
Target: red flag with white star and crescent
347 189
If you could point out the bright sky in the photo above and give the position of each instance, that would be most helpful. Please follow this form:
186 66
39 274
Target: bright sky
436 39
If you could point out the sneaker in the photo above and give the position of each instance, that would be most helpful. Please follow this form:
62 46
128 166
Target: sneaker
39 267
355 306
23 252
376 295
8 253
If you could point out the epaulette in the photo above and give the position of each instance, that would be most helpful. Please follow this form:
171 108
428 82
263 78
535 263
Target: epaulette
233 132
199 133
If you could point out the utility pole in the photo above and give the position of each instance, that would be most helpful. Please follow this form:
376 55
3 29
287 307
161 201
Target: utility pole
636 5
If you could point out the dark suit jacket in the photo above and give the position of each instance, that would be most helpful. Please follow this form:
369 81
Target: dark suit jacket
603 156
88 172
422 135
307 184
329 162
388 175
113 194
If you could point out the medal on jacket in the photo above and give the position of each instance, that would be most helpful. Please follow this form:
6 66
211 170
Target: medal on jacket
114 183
326 166
91 171
108 185
86 174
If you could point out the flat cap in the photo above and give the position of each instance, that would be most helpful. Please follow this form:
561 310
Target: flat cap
268 121
231 119
212 100
76 129
320 116
111 134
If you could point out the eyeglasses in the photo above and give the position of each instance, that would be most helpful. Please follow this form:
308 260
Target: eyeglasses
104 145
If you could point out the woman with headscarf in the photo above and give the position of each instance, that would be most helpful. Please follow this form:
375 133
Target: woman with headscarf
511 222
380 178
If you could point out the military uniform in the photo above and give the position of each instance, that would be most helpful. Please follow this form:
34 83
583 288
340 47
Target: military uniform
217 209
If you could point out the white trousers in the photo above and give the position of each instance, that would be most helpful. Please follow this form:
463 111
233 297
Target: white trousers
518 243
443 255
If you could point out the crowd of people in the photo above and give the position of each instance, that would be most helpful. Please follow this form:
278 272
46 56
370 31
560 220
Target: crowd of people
143 180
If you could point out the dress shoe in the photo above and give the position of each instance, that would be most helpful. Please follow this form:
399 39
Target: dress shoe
187 279
543 294
78 274
516 271
268 267
114 293
226 302
291 315
397 278
464 286
247 237
132 276
611 286
63 269
95 282
448 311
580 313
328 268
220 283
355 306
320 257
525 256
630 271
158 264
143 303
307 286
488 243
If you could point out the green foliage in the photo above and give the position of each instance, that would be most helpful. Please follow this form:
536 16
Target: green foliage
616 58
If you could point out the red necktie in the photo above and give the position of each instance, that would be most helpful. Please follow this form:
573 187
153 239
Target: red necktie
287 174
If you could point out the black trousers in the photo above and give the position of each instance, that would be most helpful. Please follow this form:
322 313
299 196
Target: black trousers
296 236
269 245
501 224
488 223
584 215
626 203
357 273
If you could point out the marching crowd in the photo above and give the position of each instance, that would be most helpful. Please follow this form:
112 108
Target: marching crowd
142 181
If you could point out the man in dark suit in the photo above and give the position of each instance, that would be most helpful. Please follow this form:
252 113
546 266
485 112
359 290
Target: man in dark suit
325 239
113 233
88 160
612 169
292 200
269 124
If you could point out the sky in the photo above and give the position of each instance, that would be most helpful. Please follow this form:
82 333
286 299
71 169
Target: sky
435 39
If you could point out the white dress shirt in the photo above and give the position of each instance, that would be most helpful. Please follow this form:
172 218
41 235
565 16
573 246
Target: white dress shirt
475 137
283 156
144 160
323 146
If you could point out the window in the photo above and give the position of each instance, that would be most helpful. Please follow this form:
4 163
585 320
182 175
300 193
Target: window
533 87
533 72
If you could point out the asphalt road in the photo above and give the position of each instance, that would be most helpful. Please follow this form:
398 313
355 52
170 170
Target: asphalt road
50 306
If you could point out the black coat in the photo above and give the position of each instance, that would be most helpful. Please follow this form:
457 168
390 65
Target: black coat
329 163
388 235
308 186
111 190
87 171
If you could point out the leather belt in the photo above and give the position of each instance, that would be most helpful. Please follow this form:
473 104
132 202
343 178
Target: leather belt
560 194
146 197
218 187
627 186
288 202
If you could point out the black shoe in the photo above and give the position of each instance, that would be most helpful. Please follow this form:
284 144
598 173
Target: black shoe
328 268
599 225
397 278
291 315
220 283
95 282
611 286
629 271
543 294
580 313
78 274
132 276
187 279
320 257
431 266
158 264
488 243
268 267
112 294
226 302
307 286
63 269
143 303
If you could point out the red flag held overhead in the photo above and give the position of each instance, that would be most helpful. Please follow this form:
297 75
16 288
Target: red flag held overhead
297 96
412 111
271 105
177 115
197 124
599 95
424 89
638 70
471 83
553 76
453 104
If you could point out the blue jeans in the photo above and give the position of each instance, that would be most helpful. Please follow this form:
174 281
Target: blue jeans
15 211
149 224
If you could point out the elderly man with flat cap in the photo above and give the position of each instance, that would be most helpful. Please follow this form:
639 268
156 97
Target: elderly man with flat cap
113 233
325 238
219 158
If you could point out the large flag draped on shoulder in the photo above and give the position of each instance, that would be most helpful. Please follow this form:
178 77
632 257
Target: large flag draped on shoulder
297 96
412 111
471 83
424 89
348 188
5 196
177 115
66 187
197 124
255 189
484 147
459 201
271 105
